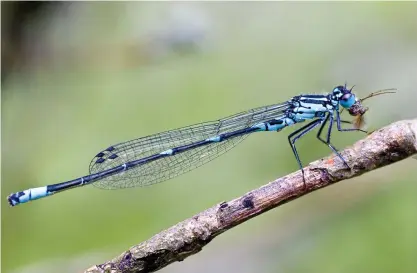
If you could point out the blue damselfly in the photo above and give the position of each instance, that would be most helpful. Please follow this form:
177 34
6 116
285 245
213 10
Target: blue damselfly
159 157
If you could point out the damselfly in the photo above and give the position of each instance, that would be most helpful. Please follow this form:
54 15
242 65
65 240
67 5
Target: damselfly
159 157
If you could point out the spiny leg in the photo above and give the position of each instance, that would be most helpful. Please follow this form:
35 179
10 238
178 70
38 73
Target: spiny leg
297 134
329 133
344 121
339 125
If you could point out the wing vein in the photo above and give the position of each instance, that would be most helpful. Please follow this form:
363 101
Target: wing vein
171 166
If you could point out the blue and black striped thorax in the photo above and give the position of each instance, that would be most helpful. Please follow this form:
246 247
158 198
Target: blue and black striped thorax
306 107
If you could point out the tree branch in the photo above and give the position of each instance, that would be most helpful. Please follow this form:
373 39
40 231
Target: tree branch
383 147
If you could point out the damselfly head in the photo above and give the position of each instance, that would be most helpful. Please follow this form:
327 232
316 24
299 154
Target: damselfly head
358 110
344 96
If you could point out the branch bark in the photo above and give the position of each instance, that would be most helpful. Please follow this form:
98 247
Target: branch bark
383 147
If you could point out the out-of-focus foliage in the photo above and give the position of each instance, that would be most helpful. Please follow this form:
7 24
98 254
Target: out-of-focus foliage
103 73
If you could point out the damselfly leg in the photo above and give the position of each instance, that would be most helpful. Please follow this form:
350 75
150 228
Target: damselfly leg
294 136
329 133
339 125
297 134
344 121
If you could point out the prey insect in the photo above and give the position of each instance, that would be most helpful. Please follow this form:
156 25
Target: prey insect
358 110
159 157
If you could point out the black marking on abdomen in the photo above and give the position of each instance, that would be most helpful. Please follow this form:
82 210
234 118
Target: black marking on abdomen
189 146
144 160
276 121
128 165
238 133
84 180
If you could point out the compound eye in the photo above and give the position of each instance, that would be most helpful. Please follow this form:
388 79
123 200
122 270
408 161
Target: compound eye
346 97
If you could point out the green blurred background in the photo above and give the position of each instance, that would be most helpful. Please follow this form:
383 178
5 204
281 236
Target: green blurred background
102 73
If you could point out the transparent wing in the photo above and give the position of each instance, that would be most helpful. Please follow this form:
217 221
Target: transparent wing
171 166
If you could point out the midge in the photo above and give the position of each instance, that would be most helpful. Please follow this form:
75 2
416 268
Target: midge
159 157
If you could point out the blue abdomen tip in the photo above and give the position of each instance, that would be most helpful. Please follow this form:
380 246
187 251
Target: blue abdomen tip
14 198
27 195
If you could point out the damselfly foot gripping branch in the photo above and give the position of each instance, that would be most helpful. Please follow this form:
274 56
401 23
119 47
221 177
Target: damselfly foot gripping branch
159 157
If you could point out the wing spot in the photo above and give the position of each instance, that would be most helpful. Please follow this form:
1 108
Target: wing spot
111 148
113 156
100 160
